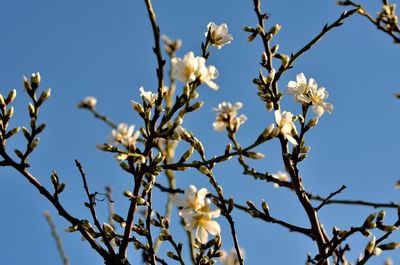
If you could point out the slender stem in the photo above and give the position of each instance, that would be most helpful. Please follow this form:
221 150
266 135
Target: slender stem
148 227
330 197
54 201
57 238
92 208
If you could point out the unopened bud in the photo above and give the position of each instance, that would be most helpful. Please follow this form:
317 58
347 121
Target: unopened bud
104 147
35 80
45 95
187 154
275 132
285 60
255 155
11 96
196 106
275 29
381 215
264 58
219 190
27 84
137 107
275 49
370 246
311 123
228 148
389 246
31 109
178 121
2 101
265 206
368 221
204 170
389 228
267 132
271 76
128 194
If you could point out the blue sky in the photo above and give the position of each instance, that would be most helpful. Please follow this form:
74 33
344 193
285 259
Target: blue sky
104 48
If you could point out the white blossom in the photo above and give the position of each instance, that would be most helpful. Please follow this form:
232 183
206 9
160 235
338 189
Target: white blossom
190 67
196 213
231 258
282 176
299 87
219 35
148 96
201 220
124 135
286 126
227 116
88 102
309 93
193 199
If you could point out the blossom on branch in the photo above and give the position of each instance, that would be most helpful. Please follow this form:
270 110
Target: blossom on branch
201 220
309 93
189 68
196 213
227 117
148 96
280 175
194 199
219 35
88 102
286 126
231 258
124 135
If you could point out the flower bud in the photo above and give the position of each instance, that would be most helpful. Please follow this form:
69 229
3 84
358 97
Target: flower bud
370 246
285 60
27 84
11 96
275 29
137 107
265 207
35 80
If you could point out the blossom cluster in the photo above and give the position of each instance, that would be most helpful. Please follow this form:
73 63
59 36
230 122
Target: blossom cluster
309 93
227 117
189 68
197 214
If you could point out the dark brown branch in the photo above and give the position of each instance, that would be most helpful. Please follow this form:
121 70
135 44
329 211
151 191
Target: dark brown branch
91 205
259 215
329 197
54 201
314 41
355 202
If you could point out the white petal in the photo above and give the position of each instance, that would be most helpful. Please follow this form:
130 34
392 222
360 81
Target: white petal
291 139
201 194
300 78
213 228
319 110
328 107
278 117
201 234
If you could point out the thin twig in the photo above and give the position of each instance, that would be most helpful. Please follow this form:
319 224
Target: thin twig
91 206
57 238
329 197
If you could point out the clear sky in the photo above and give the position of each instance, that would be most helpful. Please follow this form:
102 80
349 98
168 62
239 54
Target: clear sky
104 49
